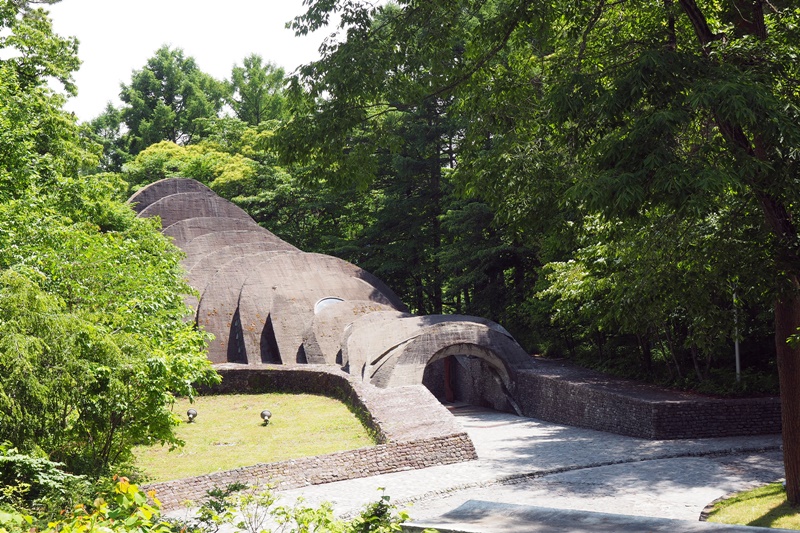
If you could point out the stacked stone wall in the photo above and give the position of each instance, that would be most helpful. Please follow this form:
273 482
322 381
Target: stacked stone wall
340 466
414 431
578 397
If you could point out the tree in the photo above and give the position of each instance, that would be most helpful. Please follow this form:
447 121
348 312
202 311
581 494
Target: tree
93 341
255 91
165 98
651 104
667 284
106 130
236 161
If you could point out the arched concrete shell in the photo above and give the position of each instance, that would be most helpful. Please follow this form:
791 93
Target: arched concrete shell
187 229
292 309
376 343
216 258
360 344
373 335
177 207
203 270
218 306
406 365
323 340
259 296
210 243
157 190
291 271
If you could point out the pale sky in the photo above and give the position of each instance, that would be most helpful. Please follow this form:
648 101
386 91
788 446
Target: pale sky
119 36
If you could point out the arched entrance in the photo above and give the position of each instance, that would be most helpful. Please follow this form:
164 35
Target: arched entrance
471 374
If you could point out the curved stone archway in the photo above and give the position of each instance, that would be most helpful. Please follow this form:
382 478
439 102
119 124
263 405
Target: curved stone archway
180 206
406 363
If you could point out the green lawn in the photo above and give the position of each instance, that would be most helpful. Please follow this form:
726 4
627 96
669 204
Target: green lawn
765 507
228 433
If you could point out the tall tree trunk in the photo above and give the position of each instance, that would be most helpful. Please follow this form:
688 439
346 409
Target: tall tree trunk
695 361
787 322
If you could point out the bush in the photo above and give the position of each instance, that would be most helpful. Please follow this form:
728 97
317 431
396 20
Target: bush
35 485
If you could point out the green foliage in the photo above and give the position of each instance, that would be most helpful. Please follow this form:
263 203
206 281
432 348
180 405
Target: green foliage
257 510
764 506
107 131
124 509
668 132
165 98
669 288
92 338
37 485
255 91
235 160
93 341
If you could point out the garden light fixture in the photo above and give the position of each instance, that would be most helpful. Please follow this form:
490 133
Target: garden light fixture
265 416
191 414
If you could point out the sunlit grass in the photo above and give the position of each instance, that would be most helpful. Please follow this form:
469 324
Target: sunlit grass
229 433
765 507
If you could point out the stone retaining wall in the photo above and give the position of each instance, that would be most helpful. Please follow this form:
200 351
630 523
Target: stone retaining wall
579 397
380 459
414 431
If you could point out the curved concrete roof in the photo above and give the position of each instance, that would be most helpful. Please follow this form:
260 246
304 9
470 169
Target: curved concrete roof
180 206
360 344
218 306
293 303
307 278
213 260
406 365
323 339
157 190
375 343
187 229
266 301
211 243
203 270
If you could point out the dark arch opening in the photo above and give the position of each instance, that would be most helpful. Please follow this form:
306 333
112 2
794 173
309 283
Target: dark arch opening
472 375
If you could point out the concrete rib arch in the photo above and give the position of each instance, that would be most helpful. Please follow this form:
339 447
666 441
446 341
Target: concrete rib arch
405 363
210 243
180 206
218 309
187 229
277 301
157 190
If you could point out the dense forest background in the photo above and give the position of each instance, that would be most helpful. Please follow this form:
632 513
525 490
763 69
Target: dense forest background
449 184
614 183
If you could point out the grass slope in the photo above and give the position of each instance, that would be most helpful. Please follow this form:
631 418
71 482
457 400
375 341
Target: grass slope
228 433
765 507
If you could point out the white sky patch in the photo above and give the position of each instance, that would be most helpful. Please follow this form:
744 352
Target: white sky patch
117 37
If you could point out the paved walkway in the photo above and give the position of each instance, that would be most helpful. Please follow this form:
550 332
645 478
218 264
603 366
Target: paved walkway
530 462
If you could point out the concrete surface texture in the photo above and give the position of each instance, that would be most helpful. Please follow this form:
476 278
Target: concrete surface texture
279 307
185 230
153 192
